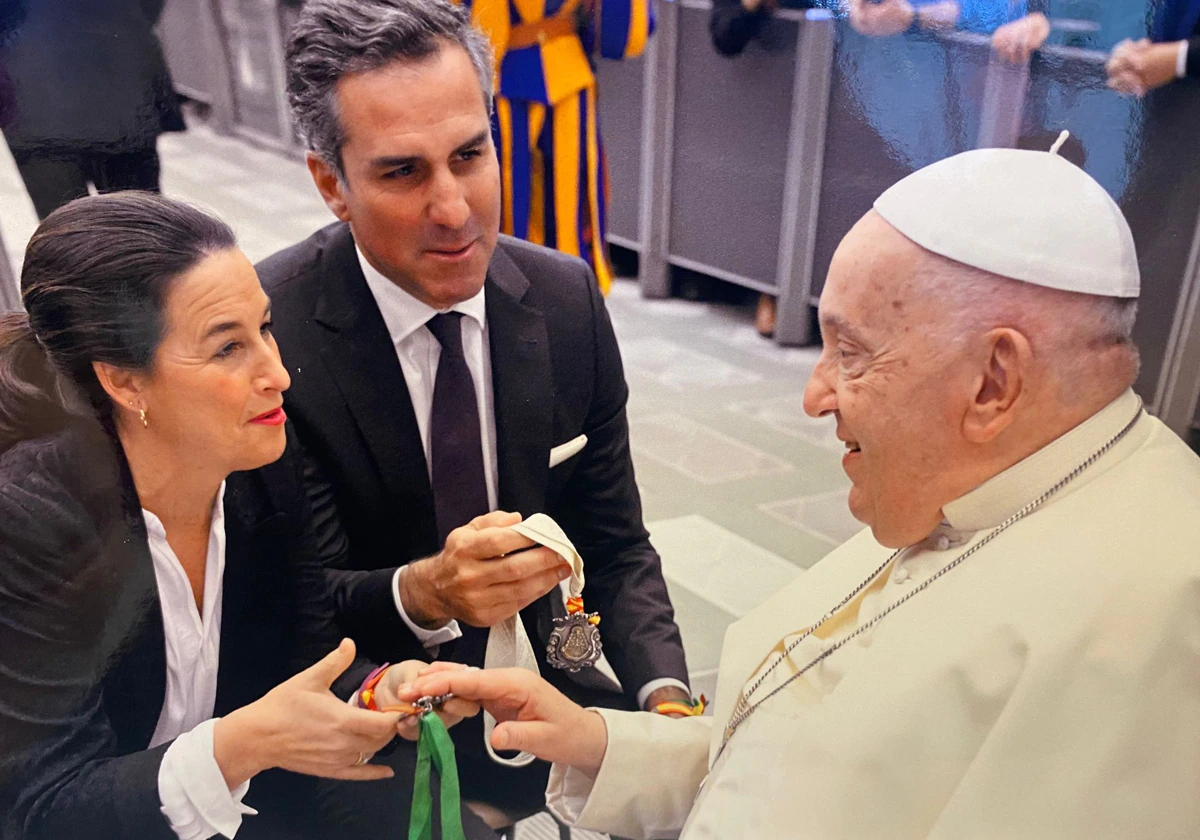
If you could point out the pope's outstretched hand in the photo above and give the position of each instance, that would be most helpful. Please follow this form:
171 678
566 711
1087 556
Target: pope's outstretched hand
532 715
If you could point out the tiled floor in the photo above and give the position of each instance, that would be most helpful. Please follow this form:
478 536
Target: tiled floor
742 491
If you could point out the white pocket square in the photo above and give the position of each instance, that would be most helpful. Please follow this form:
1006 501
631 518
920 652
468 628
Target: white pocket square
567 450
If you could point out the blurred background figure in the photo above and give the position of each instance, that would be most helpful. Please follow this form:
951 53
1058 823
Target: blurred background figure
885 18
1171 53
91 95
545 123
735 23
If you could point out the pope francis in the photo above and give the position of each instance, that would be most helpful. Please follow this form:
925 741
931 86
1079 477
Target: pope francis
1012 648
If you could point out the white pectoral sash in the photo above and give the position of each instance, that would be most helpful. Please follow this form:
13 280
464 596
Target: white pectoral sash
575 642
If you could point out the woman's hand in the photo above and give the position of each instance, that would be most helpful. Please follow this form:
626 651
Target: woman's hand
387 696
532 715
301 726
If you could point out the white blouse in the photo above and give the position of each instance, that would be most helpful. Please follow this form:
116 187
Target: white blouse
195 799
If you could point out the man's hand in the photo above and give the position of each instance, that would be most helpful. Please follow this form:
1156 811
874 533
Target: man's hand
880 20
532 715
398 676
1017 41
1138 67
665 695
482 576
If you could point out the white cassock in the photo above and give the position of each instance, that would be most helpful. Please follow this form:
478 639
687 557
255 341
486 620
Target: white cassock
1047 687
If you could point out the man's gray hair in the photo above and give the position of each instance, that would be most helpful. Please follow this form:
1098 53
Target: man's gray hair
336 37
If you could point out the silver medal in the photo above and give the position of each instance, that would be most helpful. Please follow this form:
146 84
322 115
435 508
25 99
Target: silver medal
574 643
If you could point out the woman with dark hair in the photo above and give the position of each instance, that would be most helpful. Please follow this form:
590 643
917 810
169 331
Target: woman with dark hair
165 630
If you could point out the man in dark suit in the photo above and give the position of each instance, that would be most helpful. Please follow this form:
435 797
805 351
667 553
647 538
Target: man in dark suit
443 375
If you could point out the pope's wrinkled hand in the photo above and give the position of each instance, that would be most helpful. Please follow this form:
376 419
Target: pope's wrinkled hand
532 715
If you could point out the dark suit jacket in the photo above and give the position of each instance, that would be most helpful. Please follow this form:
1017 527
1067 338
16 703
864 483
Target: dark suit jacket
556 374
82 658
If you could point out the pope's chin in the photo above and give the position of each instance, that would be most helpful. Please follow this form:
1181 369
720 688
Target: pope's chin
867 513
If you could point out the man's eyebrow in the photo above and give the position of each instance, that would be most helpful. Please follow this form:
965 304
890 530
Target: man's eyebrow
840 325
478 140
395 161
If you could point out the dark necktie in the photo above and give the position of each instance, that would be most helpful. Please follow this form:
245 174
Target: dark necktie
455 446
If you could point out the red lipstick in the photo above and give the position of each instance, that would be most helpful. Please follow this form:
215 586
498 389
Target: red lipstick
274 417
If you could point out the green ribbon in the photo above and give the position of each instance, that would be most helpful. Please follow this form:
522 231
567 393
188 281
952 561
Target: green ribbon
435 749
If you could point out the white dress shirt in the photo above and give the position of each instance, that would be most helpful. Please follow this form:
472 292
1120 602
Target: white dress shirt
419 352
195 799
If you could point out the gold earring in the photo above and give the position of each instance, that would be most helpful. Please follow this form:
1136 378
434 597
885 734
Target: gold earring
145 423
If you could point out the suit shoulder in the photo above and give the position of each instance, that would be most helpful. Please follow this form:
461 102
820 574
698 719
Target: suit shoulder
285 270
546 268
59 491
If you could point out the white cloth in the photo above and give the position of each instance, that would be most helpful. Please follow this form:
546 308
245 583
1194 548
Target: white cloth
508 644
1043 688
419 352
1029 216
1181 60
195 799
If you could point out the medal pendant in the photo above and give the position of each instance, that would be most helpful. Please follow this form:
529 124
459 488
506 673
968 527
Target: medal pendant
574 643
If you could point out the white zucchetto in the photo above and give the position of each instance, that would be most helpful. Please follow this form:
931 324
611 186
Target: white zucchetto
1029 216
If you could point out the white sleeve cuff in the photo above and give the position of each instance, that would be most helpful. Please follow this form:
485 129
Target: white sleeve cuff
654 685
567 793
448 632
652 771
1181 60
195 799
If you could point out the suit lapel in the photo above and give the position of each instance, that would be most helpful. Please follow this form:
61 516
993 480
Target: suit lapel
253 628
361 360
523 391
136 686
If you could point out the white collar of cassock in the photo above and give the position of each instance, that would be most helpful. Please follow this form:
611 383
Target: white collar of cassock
1001 496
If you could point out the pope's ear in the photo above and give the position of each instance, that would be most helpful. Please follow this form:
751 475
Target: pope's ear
1007 358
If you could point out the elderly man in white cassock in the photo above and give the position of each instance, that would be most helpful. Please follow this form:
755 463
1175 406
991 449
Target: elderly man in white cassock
1012 648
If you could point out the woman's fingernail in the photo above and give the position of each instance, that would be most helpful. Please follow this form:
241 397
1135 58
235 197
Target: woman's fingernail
564 573
501 740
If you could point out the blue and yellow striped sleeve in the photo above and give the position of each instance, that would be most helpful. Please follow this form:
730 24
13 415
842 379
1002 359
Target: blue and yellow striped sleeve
624 27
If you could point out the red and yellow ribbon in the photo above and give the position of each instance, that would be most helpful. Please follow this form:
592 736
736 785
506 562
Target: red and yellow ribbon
575 605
